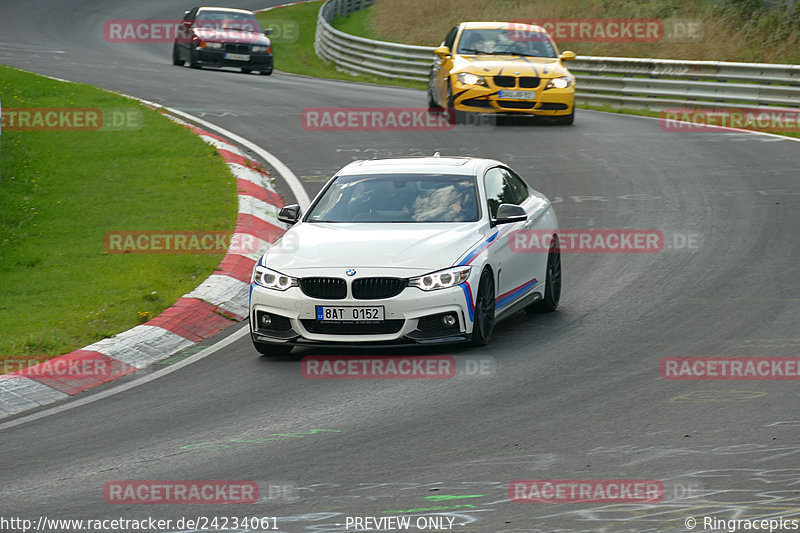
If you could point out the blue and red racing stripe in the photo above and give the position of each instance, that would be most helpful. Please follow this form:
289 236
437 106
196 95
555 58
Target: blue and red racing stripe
514 294
468 295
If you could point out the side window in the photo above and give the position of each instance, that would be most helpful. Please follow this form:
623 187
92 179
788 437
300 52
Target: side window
451 38
518 188
498 190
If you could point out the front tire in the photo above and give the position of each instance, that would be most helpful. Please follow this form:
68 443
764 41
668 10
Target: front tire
566 120
176 56
457 117
433 104
265 72
484 311
272 350
193 60
246 70
552 289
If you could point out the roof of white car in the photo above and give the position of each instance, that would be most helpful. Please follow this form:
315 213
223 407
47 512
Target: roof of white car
418 165
230 9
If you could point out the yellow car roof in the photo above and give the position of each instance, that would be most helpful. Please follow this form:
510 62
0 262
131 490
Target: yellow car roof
487 25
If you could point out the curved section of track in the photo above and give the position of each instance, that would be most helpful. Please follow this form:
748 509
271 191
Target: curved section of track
574 395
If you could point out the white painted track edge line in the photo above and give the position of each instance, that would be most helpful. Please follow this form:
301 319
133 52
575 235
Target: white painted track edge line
710 126
230 339
298 191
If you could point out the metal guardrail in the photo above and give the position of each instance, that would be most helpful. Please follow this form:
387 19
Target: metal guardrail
618 81
366 56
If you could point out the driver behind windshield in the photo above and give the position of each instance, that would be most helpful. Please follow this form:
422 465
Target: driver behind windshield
500 42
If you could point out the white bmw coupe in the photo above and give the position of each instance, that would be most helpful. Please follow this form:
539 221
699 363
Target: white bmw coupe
405 251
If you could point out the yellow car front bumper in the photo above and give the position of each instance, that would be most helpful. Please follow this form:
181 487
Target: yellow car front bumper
513 100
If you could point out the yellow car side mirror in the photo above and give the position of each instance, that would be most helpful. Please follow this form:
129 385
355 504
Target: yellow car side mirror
443 51
567 56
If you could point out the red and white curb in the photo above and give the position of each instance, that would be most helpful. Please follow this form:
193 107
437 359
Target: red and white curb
218 302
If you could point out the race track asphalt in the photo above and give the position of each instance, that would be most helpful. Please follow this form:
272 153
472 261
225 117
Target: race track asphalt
575 394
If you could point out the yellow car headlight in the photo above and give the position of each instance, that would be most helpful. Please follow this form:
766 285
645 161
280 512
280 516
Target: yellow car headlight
468 78
559 83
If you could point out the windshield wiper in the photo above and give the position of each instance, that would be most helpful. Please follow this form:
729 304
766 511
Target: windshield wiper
475 51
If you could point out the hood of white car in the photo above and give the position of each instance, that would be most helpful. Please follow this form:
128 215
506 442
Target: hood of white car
415 246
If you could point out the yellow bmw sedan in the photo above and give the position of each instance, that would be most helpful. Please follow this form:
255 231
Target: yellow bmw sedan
503 68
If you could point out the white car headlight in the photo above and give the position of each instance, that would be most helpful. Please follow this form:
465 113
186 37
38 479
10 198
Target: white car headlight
206 44
468 78
256 49
272 279
442 279
559 83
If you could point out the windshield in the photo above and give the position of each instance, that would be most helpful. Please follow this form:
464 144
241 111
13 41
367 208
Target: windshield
505 41
227 20
398 198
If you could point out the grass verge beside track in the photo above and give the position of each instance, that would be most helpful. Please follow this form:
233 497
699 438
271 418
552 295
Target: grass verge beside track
295 52
61 191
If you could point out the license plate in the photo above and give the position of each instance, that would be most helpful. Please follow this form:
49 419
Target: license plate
329 313
518 95
238 57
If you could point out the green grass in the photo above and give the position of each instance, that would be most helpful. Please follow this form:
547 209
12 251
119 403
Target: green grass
61 191
357 23
298 56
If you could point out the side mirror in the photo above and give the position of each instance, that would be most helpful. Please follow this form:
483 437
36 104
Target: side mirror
442 51
567 56
267 31
508 213
185 14
289 214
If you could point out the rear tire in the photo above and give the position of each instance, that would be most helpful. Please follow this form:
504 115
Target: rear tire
484 311
272 350
552 289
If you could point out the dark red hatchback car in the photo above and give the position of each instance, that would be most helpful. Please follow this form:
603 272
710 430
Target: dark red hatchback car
222 37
